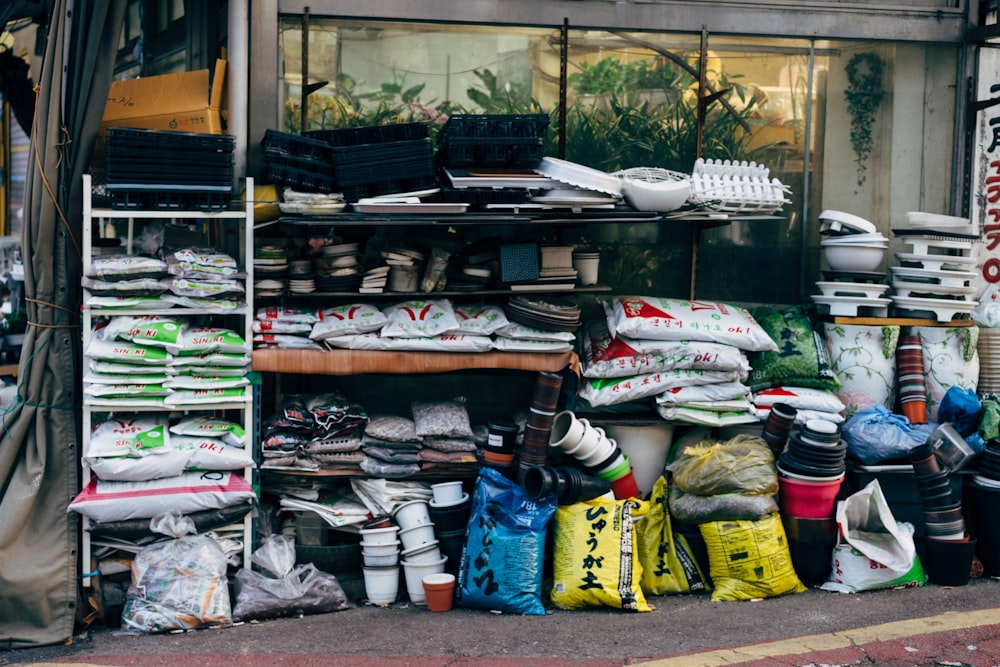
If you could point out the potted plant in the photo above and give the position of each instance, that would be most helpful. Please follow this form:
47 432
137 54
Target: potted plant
14 326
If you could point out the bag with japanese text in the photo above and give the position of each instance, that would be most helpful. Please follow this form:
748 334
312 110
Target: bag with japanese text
595 558
504 553
657 318
668 564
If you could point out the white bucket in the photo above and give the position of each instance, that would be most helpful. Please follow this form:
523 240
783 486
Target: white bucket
411 513
646 446
381 584
372 536
447 493
417 536
414 574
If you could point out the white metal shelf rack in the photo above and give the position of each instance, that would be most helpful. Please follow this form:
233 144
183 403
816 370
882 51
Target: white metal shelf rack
242 219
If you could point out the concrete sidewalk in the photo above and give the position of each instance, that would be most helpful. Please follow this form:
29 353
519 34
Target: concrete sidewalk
930 625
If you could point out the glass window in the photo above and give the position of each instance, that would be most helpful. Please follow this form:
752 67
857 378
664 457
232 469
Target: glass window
632 100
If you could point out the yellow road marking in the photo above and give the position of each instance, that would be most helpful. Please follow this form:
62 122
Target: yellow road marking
952 620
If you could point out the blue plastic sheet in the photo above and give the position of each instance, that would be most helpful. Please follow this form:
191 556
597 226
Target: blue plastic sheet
875 435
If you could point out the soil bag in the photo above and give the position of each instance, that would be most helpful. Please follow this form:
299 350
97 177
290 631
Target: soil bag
595 560
282 588
749 560
875 550
668 565
502 563
178 584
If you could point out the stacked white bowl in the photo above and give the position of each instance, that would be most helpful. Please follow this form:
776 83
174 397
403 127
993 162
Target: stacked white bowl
421 554
380 551
854 250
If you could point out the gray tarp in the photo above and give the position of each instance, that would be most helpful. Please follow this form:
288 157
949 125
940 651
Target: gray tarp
39 440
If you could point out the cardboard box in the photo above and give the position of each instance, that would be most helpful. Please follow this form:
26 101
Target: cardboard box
181 102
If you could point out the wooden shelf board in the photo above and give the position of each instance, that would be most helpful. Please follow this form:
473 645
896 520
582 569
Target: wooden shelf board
896 321
354 362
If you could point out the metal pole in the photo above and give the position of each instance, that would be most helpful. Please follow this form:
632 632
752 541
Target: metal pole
563 57
304 120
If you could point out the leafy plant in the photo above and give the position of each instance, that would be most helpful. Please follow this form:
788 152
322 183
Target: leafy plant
16 322
864 95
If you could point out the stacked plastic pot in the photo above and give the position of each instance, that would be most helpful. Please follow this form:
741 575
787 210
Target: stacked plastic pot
449 510
380 554
810 472
421 553
597 453
947 547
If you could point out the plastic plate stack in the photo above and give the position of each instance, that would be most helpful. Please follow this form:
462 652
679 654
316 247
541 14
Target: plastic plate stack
854 250
935 277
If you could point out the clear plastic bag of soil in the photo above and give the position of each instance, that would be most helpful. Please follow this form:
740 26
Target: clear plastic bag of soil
282 588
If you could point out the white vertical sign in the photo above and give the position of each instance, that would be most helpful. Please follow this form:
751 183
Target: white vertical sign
984 208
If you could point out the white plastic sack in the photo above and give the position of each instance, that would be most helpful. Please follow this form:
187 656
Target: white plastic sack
418 318
659 318
347 320
876 550
600 392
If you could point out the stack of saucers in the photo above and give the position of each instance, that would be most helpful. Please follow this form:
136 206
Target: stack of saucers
544 313
300 276
338 268
270 268
374 280
854 250
935 276
814 452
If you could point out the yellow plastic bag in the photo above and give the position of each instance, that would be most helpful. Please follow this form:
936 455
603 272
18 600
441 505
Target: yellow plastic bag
748 560
743 464
595 562
668 566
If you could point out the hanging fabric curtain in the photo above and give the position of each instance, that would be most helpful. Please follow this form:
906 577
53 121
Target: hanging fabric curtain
39 457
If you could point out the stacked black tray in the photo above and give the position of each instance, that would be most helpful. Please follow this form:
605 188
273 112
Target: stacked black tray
157 169
380 160
303 164
492 140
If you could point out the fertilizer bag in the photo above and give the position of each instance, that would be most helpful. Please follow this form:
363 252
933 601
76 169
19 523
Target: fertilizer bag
668 565
502 562
595 560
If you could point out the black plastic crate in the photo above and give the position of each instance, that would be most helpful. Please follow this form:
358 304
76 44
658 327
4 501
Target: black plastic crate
293 145
124 137
298 177
490 151
494 126
375 172
171 200
371 134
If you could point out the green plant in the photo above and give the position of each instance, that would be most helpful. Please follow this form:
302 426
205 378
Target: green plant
16 322
864 95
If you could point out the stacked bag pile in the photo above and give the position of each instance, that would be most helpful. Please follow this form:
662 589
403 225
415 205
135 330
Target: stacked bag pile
200 278
417 325
159 361
799 373
328 432
689 359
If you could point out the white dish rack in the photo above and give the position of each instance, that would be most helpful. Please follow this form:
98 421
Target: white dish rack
736 187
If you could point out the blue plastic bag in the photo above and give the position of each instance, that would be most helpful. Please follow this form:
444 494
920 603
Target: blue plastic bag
504 551
962 409
875 435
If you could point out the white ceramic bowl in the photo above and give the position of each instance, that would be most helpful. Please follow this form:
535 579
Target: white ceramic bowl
855 257
660 196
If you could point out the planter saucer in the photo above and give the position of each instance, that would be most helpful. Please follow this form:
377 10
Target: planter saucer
849 306
865 290
907 288
922 245
938 262
938 277
944 310
855 276
836 221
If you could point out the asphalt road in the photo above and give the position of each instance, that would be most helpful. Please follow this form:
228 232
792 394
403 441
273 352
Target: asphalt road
954 626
